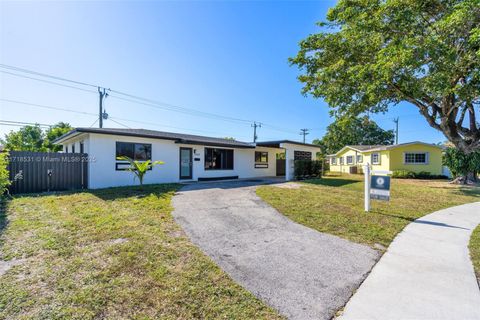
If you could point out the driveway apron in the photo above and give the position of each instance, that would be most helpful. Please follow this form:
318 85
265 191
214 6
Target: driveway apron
302 273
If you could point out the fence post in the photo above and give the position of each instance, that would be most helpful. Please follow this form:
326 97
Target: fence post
366 172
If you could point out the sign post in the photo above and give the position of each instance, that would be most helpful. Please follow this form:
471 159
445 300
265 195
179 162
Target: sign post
366 172
377 185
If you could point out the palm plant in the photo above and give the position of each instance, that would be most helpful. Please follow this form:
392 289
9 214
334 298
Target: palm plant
139 168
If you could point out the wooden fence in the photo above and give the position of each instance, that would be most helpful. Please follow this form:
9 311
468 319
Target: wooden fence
47 171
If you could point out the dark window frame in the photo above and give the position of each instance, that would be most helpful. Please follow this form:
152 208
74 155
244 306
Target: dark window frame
124 165
227 161
261 159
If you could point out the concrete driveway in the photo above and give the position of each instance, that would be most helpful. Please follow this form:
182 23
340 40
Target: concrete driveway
302 273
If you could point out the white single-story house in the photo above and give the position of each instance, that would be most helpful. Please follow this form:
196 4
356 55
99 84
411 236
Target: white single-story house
186 157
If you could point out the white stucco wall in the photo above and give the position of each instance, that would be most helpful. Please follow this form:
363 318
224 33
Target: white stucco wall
102 171
101 149
290 149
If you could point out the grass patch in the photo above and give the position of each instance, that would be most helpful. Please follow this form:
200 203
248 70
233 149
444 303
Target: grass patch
113 253
475 251
335 205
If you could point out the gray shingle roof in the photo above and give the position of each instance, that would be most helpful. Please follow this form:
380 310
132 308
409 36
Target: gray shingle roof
177 137
365 147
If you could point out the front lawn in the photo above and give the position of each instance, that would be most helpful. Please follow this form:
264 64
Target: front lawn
113 253
335 205
475 251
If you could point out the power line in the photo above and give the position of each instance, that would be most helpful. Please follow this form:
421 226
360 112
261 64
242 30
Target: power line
47 107
155 124
46 81
96 120
46 75
136 99
163 105
183 110
123 125
20 123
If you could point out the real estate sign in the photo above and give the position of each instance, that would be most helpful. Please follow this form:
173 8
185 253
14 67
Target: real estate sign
380 187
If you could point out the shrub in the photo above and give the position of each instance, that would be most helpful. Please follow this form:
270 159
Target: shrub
423 175
403 174
304 169
4 182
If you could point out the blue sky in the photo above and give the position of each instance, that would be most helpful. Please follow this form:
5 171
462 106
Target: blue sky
225 58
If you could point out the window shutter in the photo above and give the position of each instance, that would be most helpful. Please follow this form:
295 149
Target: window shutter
427 157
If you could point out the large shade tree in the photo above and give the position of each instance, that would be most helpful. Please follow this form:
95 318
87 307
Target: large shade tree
372 54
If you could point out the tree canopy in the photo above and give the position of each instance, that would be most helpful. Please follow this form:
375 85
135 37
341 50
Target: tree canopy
353 131
32 138
372 54
53 133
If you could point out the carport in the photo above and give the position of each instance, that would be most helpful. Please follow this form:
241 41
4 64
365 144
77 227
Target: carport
293 151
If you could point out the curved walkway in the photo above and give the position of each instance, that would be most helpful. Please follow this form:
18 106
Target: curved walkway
426 272
302 273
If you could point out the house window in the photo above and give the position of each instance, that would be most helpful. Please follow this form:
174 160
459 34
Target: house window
349 159
359 158
302 155
66 149
135 151
415 158
375 158
261 159
333 160
218 159
341 160
73 148
82 150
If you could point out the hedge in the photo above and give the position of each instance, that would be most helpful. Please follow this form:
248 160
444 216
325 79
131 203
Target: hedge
405 174
4 182
305 169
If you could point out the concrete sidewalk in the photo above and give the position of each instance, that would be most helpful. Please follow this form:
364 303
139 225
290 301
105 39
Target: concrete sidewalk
302 273
426 272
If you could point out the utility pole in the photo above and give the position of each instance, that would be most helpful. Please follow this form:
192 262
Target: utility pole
255 126
396 129
304 133
101 114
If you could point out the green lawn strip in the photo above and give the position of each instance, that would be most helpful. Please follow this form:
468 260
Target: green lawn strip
475 251
335 205
112 253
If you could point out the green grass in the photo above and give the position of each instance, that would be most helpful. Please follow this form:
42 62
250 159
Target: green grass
335 205
111 254
475 251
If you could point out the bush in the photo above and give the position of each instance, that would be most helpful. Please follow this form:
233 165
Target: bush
304 169
423 175
4 182
405 174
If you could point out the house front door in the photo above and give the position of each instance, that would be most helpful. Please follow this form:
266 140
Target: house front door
186 163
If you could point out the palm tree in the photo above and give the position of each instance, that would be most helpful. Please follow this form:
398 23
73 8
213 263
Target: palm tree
139 168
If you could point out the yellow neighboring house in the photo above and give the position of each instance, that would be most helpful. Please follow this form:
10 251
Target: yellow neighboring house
413 156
